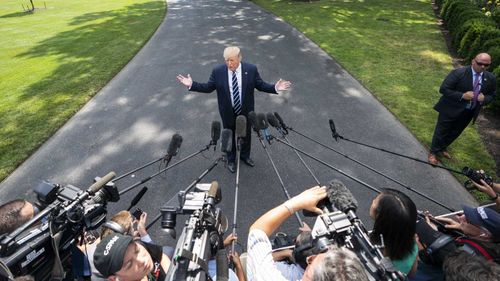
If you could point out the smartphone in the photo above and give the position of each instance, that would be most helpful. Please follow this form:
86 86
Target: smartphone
137 213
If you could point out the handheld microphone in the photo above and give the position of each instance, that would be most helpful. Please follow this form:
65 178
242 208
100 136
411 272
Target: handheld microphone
241 126
262 121
282 123
252 117
335 135
215 132
173 148
137 198
226 141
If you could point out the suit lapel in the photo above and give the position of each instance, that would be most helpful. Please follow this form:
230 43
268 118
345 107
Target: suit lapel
225 82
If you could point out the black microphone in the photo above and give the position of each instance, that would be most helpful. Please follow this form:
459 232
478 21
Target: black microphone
241 126
226 141
262 121
338 198
272 120
215 132
334 131
252 117
282 123
137 198
173 148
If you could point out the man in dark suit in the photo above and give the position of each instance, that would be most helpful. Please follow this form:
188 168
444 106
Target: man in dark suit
235 82
464 91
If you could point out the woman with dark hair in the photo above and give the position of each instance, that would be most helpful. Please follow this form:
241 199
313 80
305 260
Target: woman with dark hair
395 217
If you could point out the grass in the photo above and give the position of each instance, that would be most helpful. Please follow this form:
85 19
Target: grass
396 50
54 60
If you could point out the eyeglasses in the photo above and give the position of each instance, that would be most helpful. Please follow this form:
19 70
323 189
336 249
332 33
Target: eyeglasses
482 64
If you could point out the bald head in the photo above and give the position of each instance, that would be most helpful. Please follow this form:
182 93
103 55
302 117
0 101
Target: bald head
481 62
232 57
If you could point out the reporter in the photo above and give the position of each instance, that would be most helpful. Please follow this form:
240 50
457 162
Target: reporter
395 217
336 263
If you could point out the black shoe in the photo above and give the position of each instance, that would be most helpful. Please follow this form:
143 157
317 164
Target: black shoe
231 166
248 161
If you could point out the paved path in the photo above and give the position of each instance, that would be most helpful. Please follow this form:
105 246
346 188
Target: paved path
132 119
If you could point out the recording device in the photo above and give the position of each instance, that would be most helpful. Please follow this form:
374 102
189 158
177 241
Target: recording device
339 225
137 213
201 237
226 141
42 246
215 133
263 125
282 123
173 147
475 176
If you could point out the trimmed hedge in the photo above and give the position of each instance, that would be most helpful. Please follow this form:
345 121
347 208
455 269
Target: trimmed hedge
473 32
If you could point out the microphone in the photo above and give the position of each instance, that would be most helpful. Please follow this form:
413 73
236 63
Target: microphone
173 148
272 120
252 117
338 198
335 135
137 198
262 121
282 123
100 183
226 141
215 132
213 195
241 126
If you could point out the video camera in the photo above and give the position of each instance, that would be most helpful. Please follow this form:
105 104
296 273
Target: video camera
201 238
475 176
339 225
42 246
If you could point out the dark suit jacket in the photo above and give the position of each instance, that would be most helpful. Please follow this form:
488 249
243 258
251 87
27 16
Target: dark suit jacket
250 80
456 84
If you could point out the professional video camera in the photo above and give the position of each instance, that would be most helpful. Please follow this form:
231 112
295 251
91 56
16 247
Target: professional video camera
201 238
42 246
339 225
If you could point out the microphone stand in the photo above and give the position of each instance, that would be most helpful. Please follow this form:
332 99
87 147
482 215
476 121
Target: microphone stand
259 136
238 153
163 170
193 184
375 171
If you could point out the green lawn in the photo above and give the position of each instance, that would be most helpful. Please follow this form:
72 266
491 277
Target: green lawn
53 60
395 49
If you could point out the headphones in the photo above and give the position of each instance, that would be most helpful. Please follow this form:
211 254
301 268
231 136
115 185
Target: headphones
115 227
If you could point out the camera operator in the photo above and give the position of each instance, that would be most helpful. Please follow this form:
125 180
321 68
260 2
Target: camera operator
395 217
121 257
336 263
462 266
15 213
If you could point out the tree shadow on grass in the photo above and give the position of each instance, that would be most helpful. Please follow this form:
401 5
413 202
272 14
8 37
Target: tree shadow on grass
16 15
89 56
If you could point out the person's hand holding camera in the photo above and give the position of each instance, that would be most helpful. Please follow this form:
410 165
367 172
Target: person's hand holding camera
491 190
307 200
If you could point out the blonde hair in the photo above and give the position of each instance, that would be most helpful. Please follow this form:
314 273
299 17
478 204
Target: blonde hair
123 218
232 51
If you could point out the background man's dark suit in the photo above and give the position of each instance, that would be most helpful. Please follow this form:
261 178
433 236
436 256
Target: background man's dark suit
250 80
453 113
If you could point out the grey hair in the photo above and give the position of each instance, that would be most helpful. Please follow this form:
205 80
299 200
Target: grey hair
462 266
339 264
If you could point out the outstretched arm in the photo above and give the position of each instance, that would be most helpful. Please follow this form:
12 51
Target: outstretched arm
195 86
185 80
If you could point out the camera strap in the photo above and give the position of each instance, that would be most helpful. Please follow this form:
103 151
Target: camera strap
193 258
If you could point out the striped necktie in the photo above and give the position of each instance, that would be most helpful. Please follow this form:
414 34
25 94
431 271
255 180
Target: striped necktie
236 95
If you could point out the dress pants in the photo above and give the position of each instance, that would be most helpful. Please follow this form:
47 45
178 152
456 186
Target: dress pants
448 129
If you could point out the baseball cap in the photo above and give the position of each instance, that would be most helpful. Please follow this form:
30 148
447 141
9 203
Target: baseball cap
485 217
110 252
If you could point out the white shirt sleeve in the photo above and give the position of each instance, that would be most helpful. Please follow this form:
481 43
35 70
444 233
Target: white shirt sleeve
260 263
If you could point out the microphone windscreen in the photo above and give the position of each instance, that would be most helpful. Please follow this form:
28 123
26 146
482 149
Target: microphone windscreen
252 117
282 123
340 197
100 183
226 143
272 120
215 131
174 145
241 126
214 187
262 121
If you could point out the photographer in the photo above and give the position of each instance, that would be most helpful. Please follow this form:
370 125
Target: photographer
336 263
15 213
491 190
120 257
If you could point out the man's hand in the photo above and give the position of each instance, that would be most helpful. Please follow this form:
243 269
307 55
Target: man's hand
141 225
468 95
229 239
486 188
283 85
308 199
185 80
480 97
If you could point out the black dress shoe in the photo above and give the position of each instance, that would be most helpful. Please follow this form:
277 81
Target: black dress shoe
248 161
231 166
